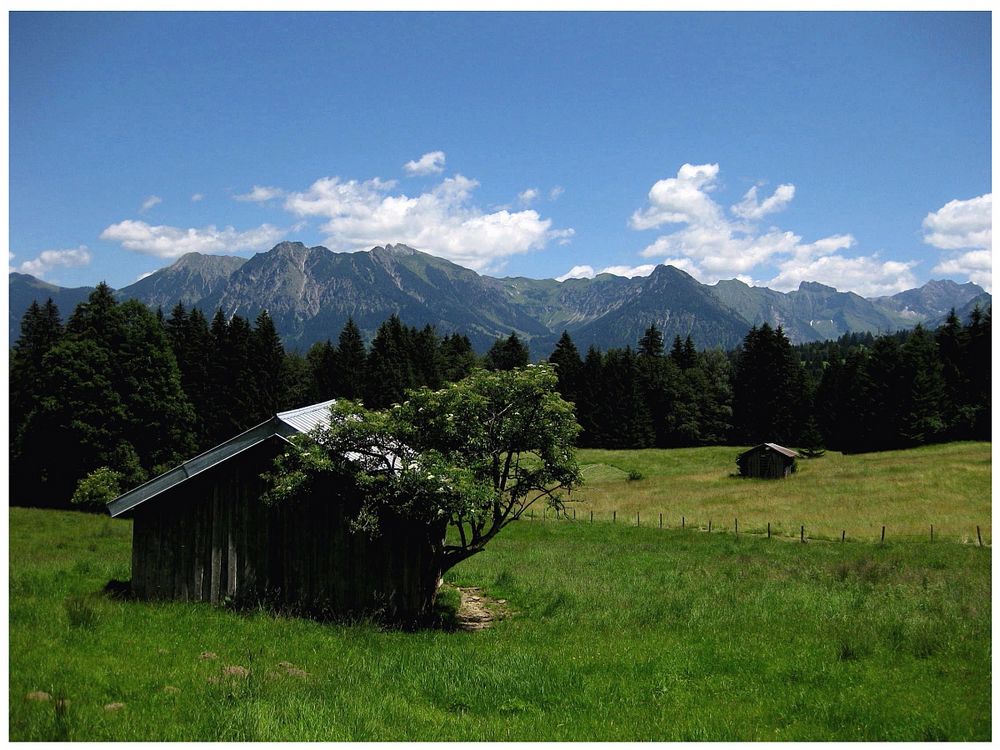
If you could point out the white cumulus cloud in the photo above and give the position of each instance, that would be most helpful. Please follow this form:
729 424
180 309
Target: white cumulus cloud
260 194
961 225
555 192
711 246
964 226
750 208
430 163
172 242
443 221
976 265
197 197
149 203
682 199
868 276
50 259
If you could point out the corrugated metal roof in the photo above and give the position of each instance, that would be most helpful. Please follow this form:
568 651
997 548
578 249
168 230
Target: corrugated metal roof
283 425
308 417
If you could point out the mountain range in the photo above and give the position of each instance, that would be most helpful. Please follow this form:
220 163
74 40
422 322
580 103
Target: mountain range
311 291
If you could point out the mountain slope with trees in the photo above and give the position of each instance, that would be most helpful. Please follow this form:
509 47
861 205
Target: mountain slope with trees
310 293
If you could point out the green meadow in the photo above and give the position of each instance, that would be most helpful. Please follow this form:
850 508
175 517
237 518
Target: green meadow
614 632
908 491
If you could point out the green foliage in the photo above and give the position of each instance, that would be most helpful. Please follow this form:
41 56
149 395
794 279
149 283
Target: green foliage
98 488
507 354
475 454
634 475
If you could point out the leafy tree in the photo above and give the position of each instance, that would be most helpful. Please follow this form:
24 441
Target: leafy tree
98 488
507 354
474 455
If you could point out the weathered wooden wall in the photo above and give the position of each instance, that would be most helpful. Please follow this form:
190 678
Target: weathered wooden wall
765 464
211 539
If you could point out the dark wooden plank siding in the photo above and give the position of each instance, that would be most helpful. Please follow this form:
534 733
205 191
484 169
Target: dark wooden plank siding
212 538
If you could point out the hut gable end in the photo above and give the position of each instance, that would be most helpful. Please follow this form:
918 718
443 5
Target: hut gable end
767 461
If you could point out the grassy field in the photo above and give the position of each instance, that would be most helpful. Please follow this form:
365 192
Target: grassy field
617 633
906 491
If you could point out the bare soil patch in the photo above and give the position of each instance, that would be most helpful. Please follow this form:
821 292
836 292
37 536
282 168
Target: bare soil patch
478 611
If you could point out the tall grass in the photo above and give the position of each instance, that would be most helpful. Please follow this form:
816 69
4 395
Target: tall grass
947 486
618 633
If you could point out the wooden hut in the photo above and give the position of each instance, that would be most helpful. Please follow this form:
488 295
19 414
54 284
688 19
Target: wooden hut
202 533
767 461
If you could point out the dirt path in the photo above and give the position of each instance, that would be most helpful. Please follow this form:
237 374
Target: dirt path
477 611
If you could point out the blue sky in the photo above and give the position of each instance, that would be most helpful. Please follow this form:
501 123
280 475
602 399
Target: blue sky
852 149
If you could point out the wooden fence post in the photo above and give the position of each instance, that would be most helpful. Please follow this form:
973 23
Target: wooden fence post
768 529
843 533
802 534
932 532
591 516
614 516
661 520
736 525
709 525
979 536
574 514
682 522
883 536
637 518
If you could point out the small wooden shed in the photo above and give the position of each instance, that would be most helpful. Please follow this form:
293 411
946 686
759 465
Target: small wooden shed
202 533
767 461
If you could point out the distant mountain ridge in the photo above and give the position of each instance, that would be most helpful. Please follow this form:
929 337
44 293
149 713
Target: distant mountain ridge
311 291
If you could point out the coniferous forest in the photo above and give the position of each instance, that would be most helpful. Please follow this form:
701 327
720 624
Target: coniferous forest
120 386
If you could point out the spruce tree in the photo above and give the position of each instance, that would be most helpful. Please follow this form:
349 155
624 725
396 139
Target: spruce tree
427 357
457 357
922 409
389 369
507 354
350 363
566 359
321 361
651 343
268 357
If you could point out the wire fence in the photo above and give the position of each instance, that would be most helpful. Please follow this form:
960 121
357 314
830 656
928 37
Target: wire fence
687 524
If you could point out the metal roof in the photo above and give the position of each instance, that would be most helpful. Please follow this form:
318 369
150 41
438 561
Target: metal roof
283 425
775 447
308 417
